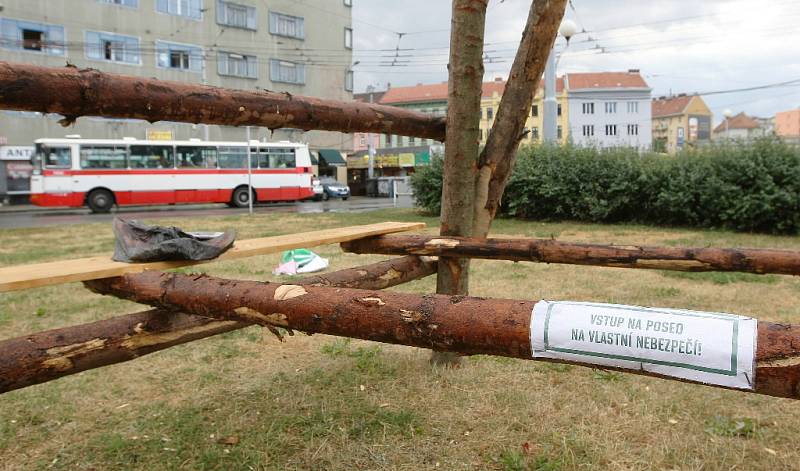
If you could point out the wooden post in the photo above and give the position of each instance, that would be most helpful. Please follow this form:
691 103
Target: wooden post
461 144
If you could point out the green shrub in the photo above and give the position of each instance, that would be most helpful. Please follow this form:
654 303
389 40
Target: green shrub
741 186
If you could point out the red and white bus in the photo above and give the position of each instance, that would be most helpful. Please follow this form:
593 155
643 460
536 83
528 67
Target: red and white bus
100 173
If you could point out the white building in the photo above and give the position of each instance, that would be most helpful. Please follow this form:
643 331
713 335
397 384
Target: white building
609 109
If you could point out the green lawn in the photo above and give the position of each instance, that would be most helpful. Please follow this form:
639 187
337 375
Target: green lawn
243 400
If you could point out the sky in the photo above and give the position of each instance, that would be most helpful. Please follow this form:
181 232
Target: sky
680 46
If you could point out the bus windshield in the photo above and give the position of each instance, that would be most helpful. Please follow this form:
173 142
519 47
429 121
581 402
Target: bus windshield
52 157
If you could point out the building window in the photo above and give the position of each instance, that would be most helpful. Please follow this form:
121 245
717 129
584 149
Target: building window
285 25
348 38
559 133
535 111
287 72
34 37
633 129
588 108
535 133
124 3
188 8
348 3
611 129
235 15
489 113
348 81
237 65
179 56
611 107
112 47
633 107
558 110
588 130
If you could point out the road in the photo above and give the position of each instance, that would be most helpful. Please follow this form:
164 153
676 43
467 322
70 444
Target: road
11 217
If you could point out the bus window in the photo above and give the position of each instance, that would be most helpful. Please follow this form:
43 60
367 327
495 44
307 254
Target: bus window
276 158
151 157
54 157
197 157
233 157
103 157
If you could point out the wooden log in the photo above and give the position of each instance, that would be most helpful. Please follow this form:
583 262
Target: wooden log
45 356
500 152
448 323
75 92
760 261
65 271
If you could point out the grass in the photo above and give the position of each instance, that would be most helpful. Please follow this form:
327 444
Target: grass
243 400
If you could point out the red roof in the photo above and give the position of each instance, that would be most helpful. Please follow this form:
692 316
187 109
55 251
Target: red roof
582 81
671 106
433 92
740 121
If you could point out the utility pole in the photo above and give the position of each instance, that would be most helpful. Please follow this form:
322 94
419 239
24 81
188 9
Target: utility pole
370 147
550 117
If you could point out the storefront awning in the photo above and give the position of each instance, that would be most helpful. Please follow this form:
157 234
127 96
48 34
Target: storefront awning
313 156
331 157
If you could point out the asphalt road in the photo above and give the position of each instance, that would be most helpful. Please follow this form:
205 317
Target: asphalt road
11 217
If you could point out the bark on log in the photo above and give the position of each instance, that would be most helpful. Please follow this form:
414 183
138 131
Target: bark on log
760 261
45 356
447 323
75 92
498 156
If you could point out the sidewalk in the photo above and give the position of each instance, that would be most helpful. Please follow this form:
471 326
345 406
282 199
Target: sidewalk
22 208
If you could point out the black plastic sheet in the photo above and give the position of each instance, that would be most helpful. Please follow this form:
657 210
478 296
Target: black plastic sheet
138 242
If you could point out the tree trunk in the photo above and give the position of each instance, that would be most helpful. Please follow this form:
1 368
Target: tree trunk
461 145
45 356
500 153
444 323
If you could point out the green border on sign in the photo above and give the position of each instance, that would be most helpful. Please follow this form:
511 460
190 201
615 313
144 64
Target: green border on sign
734 345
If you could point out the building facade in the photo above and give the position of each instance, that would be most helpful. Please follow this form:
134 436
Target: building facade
743 127
680 122
609 109
787 125
241 44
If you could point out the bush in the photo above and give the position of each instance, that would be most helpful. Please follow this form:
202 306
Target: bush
742 186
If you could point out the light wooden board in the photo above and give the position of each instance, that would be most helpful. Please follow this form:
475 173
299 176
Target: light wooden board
91 268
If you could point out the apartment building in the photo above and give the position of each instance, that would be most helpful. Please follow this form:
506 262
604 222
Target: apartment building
679 122
609 109
304 48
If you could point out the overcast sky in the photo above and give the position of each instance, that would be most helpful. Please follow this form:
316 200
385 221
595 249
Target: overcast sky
679 45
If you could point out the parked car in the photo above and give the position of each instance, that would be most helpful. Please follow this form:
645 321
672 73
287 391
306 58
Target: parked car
334 189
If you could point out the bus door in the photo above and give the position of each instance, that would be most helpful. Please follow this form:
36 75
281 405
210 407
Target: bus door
196 179
52 169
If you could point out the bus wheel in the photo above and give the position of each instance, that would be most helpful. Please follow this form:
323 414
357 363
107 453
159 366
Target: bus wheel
100 201
241 197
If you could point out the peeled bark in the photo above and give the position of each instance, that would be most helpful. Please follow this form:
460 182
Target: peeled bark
697 259
45 356
446 323
75 92
500 153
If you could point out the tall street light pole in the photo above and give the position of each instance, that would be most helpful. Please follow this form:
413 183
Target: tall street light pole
567 29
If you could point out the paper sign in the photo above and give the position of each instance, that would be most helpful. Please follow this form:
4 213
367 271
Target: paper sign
708 347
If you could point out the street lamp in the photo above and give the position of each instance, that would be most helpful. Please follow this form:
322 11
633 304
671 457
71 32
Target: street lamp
568 29
727 113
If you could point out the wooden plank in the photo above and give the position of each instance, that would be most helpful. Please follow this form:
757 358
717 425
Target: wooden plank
91 268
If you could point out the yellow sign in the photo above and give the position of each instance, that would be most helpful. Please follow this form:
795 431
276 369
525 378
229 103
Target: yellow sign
407 159
156 135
